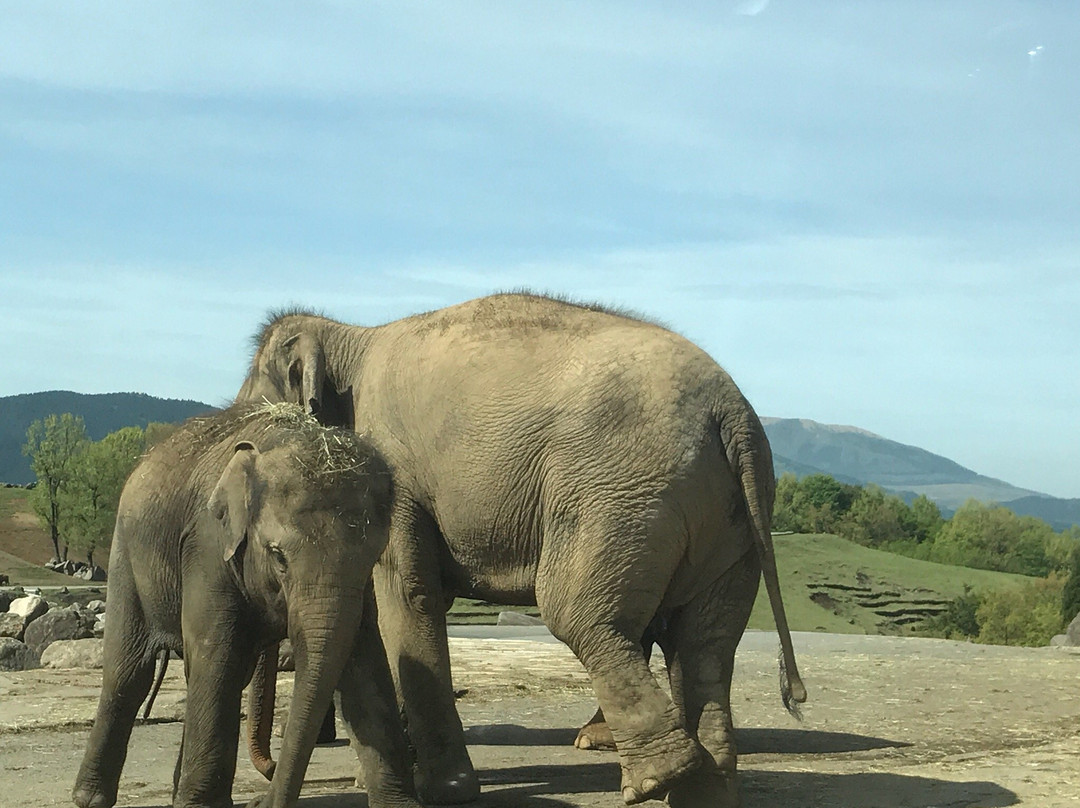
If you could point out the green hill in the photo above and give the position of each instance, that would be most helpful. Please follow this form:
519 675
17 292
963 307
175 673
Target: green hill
103 413
832 584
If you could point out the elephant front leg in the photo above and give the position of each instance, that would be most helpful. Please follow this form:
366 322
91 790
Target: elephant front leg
128 674
217 668
412 620
370 712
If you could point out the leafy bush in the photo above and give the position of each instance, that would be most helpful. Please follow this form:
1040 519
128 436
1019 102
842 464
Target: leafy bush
959 621
1027 615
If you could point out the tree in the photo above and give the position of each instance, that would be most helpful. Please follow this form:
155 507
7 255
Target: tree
100 470
813 504
993 537
960 618
1070 594
876 517
926 519
784 516
51 444
1026 615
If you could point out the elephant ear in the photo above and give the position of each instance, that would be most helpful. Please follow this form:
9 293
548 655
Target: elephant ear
231 501
309 368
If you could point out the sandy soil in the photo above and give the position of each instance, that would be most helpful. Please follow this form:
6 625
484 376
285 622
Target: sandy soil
891 723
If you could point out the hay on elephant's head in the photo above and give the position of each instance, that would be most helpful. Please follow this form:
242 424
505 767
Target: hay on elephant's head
320 450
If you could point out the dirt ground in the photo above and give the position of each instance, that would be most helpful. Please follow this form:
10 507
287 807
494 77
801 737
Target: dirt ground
891 723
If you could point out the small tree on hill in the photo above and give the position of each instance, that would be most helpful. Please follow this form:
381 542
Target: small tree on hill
100 469
1070 595
51 444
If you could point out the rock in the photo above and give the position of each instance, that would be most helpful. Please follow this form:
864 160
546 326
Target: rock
1072 633
96 606
99 626
6 597
33 590
4 579
518 619
58 624
12 625
74 654
31 607
94 573
17 656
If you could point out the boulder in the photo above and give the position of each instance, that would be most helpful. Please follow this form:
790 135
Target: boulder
94 573
96 606
1072 633
6 596
518 619
58 624
12 625
74 654
30 606
17 656
99 626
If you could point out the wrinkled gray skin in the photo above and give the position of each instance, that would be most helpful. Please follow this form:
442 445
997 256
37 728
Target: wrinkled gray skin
232 529
601 467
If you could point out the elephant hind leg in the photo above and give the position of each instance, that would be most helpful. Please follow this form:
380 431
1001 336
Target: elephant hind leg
596 734
601 613
703 637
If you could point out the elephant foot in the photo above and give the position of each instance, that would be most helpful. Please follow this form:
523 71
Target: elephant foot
705 788
596 734
89 797
451 786
717 736
657 770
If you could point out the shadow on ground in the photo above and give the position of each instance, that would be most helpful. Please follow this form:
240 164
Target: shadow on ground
554 787
750 741
761 789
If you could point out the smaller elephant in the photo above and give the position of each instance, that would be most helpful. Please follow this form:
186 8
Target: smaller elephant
236 531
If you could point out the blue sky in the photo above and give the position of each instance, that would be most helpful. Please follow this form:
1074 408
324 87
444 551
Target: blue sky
868 212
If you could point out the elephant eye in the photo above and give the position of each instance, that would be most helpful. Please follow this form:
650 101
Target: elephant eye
278 556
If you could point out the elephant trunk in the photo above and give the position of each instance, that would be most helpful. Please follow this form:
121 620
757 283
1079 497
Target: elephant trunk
322 631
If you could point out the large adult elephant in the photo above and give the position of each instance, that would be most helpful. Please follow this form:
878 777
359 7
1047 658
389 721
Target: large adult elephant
597 465
237 529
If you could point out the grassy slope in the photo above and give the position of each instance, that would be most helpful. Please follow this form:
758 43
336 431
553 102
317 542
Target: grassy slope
829 584
27 574
876 579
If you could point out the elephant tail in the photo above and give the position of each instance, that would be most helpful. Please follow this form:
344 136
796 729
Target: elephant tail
750 457
164 665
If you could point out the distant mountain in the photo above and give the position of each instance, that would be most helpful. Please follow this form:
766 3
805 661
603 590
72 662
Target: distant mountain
800 446
855 456
103 413
1061 513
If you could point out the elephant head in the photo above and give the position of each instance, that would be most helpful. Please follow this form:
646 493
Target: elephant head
302 526
289 364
